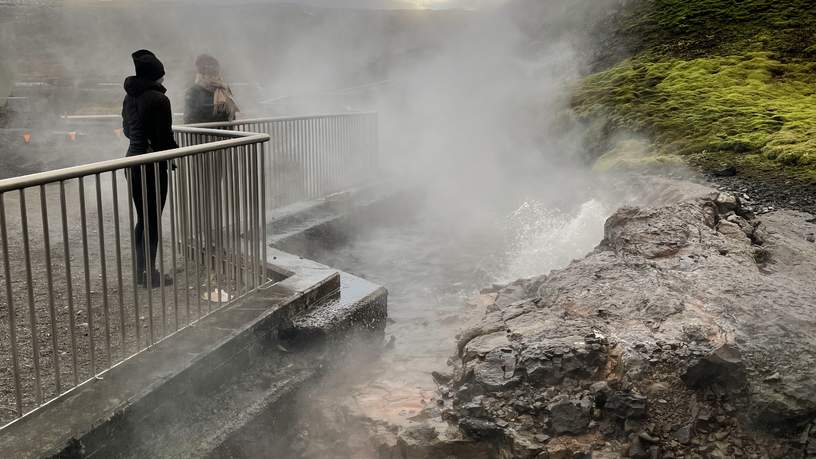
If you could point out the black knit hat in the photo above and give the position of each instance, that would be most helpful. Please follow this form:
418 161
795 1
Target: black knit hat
148 66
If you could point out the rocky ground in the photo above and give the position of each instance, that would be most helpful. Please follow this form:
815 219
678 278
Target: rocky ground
687 333
766 190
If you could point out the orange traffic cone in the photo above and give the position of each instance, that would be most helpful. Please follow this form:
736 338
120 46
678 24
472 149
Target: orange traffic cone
72 136
27 137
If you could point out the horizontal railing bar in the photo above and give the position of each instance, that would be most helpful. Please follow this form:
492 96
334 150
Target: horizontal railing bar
90 117
277 119
41 178
115 117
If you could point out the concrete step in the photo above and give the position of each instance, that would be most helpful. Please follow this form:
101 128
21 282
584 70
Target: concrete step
356 305
197 421
359 305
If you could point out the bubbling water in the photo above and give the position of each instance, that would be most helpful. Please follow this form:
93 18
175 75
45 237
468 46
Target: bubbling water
432 271
543 239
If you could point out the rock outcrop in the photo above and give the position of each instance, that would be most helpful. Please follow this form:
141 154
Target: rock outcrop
690 331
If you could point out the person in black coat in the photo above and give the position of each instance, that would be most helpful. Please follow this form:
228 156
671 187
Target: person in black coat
210 99
147 121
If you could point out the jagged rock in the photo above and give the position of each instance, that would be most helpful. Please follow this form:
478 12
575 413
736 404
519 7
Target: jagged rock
474 408
481 345
525 446
637 450
480 428
683 434
497 371
683 294
727 171
730 229
422 444
632 231
542 438
648 438
727 202
441 378
549 361
626 405
710 214
760 234
570 416
600 387
744 225
661 272
466 392
724 366
421 433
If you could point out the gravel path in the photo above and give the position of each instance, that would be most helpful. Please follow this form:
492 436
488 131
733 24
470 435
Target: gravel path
112 328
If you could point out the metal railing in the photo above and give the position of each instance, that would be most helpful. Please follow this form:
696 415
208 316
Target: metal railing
74 301
75 304
315 156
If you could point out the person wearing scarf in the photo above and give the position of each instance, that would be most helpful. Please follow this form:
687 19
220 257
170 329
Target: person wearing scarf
210 99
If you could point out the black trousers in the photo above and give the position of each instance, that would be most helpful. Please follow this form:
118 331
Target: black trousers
148 214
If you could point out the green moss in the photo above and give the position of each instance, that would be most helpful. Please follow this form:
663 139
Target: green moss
635 155
751 103
696 28
713 79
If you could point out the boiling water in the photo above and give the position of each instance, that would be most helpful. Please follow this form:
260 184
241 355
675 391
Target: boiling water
432 272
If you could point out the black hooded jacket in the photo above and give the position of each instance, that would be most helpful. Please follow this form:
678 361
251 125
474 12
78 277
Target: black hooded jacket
146 117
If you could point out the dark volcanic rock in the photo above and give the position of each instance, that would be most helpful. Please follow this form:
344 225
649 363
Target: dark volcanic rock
728 171
549 361
497 371
626 405
723 366
703 308
480 428
570 416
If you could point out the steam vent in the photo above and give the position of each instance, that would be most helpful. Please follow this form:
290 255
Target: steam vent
408 229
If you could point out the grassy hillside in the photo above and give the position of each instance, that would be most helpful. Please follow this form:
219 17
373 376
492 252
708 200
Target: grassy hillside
712 81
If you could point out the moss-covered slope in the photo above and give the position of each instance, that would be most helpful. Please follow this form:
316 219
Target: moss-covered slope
712 79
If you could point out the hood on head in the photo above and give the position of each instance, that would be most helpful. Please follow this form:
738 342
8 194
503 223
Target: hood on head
136 86
148 66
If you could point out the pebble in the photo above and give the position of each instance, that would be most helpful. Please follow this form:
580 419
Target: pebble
774 377
646 437
657 388
721 435
542 438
